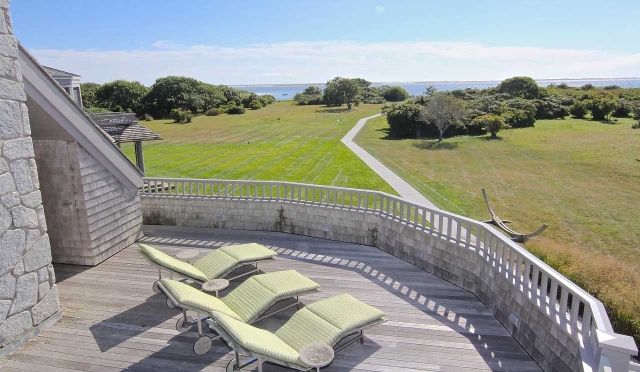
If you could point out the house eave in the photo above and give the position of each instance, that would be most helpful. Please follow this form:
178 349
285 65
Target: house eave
42 89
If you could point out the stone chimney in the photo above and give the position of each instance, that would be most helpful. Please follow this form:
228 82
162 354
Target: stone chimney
28 293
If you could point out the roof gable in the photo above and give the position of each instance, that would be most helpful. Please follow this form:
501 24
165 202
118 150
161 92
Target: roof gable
42 90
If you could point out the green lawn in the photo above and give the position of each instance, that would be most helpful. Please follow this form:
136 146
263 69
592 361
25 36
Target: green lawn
279 142
579 176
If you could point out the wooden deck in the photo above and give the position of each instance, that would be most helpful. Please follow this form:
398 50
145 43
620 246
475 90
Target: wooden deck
114 322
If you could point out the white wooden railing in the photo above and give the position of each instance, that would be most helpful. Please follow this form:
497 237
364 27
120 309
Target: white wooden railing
578 313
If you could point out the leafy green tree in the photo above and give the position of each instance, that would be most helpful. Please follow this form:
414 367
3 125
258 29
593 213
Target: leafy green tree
403 119
267 99
622 109
443 111
122 95
601 108
340 91
579 109
174 92
230 94
362 83
88 91
520 86
396 94
491 123
212 96
311 90
255 105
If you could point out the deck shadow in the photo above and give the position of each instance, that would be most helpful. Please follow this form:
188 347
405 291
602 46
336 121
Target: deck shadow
498 349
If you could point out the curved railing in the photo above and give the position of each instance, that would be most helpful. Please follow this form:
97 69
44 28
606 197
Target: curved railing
578 313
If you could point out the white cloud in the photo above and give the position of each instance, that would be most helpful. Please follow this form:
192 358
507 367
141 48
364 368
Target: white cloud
293 62
380 9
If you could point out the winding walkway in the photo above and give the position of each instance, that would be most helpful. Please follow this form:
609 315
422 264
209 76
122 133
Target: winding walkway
396 182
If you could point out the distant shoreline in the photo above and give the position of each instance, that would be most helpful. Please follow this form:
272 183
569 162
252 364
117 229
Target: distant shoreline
434 82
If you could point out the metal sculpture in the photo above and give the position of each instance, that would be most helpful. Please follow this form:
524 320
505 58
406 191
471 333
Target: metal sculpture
502 224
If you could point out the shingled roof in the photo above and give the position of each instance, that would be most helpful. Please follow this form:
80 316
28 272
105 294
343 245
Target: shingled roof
123 127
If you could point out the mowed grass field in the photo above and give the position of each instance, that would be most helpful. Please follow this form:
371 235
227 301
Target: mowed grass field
280 142
579 176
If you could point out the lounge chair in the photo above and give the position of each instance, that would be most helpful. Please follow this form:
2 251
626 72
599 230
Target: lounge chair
217 264
337 321
247 303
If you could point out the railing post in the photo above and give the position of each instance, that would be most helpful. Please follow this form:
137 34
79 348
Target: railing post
616 350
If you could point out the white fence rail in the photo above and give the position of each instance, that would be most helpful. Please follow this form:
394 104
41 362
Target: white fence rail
578 313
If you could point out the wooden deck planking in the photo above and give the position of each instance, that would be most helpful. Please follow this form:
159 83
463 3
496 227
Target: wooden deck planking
114 322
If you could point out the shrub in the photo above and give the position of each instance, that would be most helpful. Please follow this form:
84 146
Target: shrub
267 99
562 86
601 108
636 125
579 109
520 113
517 118
213 112
587 87
148 117
611 87
312 90
520 86
492 123
550 108
403 120
622 109
235 110
356 102
255 105
248 98
396 94
308 99
181 116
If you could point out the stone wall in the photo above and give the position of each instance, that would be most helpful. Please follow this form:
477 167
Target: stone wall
541 338
28 293
91 214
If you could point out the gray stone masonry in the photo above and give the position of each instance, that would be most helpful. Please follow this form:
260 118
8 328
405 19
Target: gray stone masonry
541 338
28 298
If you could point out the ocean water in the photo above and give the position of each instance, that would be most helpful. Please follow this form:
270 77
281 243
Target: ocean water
286 92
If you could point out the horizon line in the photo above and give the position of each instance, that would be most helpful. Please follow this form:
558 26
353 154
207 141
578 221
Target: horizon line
440 81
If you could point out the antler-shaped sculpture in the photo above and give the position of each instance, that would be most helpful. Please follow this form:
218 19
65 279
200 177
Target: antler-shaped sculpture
515 236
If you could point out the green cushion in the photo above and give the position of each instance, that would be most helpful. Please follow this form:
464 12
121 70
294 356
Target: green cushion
215 264
171 263
305 328
286 283
345 312
250 299
190 297
257 340
248 252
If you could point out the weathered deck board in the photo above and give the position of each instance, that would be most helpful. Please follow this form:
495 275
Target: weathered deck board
114 322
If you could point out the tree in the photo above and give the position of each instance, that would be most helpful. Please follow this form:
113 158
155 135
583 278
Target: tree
174 92
312 90
89 98
212 96
579 109
520 86
443 111
122 95
403 119
340 91
255 105
601 108
396 94
491 123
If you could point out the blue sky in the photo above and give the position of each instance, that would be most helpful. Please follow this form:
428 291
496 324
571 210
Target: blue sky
254 42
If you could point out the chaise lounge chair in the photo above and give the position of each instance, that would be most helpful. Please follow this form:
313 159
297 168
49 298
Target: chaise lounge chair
337 321
247 303
216 264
